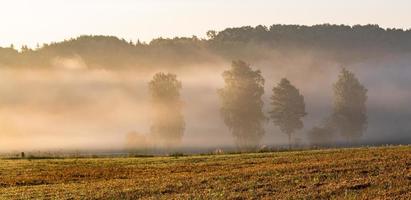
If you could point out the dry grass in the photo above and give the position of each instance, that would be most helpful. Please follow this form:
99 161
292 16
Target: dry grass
364 173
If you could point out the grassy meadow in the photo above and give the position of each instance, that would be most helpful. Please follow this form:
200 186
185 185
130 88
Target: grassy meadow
356 173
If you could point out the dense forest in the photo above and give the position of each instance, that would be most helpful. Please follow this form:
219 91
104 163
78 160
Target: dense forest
339 43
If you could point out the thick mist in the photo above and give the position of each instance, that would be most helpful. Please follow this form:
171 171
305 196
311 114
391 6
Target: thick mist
74 107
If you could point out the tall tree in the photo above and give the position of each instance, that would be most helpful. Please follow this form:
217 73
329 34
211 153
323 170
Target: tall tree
242 104
288 108
350 111
167 118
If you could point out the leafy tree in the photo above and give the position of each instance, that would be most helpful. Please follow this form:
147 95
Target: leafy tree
288 108
350 112
211 34
167 118
24 48
322 135
319 136
242 104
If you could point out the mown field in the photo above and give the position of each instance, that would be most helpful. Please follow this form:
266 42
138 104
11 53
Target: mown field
359 173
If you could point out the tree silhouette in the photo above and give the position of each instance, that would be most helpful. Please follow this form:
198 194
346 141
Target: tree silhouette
167 118
288 108
242 104
322 135
340 43
350 112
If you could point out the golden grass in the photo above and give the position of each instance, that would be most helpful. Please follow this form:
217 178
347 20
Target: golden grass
360 173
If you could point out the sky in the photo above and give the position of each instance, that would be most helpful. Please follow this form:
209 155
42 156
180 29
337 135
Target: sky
43 21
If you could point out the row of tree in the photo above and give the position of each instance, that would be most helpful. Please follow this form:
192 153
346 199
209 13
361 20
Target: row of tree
242 108
339 43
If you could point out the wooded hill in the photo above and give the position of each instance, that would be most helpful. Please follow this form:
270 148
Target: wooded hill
339 43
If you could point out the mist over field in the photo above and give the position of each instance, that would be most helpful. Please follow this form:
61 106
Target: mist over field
205 99
78 101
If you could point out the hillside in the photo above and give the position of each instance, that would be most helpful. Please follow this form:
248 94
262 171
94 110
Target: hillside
336 43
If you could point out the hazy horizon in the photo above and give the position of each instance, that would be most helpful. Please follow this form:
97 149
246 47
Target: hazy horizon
92 92
205 99
45 21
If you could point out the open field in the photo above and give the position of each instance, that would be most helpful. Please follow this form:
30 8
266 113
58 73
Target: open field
360 173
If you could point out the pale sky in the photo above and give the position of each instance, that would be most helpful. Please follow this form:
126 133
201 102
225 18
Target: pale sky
43 21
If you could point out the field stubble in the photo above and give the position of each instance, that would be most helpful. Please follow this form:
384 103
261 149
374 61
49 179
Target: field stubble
359 173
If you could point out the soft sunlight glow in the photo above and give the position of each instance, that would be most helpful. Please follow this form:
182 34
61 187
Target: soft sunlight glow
42 21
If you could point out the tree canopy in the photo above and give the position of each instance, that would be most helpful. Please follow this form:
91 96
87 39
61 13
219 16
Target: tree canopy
242 104
340 43
350 111
167 118
288 108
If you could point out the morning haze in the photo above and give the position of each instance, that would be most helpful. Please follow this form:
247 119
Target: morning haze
92 92
205 99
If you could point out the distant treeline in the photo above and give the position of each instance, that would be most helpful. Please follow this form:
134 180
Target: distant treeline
340 43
